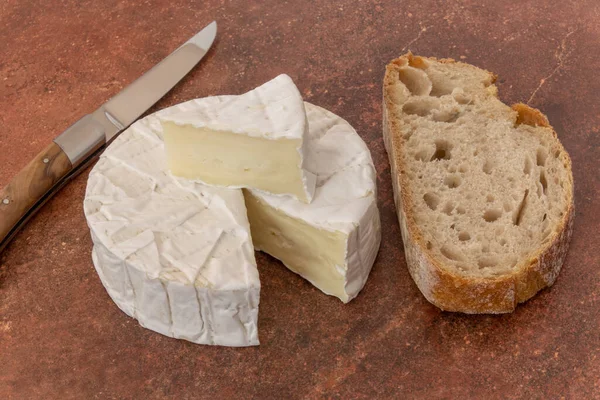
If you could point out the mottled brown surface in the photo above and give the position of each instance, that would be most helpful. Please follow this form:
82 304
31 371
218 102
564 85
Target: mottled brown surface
62 337
43 174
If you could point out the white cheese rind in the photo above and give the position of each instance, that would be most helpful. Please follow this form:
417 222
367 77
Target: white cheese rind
272 111
174 254
361 251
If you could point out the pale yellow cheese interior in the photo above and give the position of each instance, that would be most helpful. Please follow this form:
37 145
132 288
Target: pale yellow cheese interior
315 254
229 159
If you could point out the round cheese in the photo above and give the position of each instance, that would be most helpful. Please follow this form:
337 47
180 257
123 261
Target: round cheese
177 254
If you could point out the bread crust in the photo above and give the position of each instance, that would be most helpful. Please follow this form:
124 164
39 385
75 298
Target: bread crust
439 284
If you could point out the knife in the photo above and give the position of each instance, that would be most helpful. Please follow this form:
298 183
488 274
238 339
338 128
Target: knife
83 142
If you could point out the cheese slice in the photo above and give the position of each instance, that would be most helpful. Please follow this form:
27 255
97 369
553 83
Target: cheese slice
333 241
177 254
174 254
255 140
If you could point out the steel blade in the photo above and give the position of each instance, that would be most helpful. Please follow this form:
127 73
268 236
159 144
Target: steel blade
129 104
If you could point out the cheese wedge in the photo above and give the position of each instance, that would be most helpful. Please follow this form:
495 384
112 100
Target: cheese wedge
255 140
333 241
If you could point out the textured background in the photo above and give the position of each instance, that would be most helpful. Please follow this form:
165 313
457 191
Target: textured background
60 334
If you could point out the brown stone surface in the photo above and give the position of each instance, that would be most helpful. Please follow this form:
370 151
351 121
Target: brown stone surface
62 337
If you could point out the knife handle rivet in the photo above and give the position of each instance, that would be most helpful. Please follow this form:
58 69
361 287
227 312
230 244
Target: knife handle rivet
46 160
6 201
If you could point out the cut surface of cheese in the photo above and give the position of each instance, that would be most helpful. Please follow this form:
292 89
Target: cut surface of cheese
333 241
174 254
254 140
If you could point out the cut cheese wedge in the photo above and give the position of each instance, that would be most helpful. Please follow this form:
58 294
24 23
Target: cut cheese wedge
255 140
333 241
177 254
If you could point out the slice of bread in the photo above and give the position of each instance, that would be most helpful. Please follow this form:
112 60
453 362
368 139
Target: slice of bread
483 191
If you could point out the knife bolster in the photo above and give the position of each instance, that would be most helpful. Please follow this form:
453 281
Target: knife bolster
81 139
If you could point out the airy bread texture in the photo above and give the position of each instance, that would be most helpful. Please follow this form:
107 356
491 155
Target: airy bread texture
483 191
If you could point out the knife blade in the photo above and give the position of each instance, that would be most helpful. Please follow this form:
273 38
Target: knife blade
83 142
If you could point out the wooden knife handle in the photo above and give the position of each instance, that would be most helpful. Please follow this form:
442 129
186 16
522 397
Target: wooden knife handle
29 187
